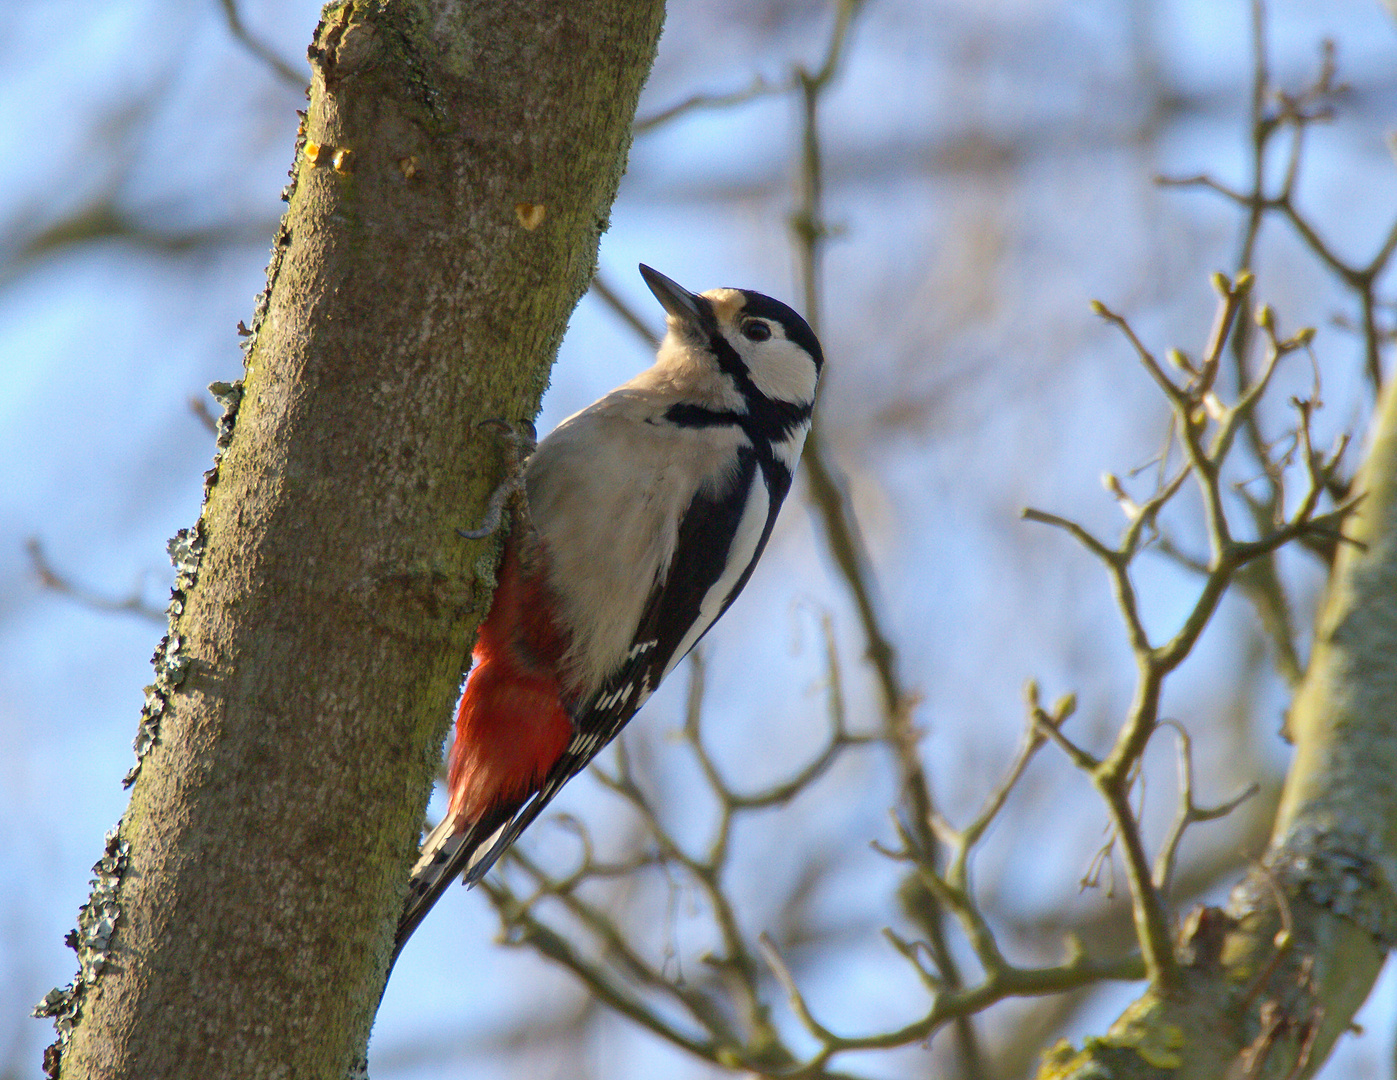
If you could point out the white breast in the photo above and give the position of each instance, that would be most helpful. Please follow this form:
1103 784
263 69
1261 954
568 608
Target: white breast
606 493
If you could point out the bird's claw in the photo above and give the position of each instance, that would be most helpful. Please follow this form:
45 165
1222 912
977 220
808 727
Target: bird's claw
522 439
521 435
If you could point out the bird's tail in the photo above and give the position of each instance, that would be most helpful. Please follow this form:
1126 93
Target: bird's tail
450 851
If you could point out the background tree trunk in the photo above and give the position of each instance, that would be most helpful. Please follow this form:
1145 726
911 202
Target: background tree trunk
457 167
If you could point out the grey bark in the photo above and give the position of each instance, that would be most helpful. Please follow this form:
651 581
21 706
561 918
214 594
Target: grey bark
456 169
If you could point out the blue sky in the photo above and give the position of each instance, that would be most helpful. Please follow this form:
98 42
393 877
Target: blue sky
989 170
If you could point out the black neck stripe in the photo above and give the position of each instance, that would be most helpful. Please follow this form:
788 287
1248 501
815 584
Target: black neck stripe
766 422
776 472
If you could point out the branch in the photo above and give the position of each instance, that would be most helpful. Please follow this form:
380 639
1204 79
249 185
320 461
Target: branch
1275 979
524 928
1189 813
612 299
297 80
758 88
131 604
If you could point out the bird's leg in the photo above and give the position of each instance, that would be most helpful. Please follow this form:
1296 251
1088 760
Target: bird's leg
521 441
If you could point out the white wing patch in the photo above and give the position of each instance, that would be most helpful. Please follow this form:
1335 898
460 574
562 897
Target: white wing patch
740 555
787 450
437 849
584 745
617 697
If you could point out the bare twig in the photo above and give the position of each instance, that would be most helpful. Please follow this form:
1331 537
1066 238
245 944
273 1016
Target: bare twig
1189 813
612 299
201 412
810 230
523 927
758 88
1273 112
1206 427
260 49
132 604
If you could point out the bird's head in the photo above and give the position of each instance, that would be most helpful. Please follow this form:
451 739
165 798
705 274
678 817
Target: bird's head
767 350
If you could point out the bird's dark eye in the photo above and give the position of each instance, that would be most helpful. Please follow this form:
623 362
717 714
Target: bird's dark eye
756 330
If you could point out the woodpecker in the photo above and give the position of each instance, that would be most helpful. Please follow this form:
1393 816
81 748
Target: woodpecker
644 516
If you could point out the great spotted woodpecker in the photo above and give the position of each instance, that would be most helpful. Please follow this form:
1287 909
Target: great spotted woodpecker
646 513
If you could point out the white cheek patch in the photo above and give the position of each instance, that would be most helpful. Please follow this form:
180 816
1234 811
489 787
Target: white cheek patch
781 370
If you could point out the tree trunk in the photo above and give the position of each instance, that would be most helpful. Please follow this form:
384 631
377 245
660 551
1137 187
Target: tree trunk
1272 982
456 169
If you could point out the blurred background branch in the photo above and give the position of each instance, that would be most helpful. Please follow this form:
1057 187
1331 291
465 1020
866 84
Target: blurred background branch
283 70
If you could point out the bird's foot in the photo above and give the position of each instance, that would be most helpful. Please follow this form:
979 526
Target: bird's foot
521 440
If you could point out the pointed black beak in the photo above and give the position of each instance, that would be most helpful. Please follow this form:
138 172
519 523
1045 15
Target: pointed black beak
677 300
